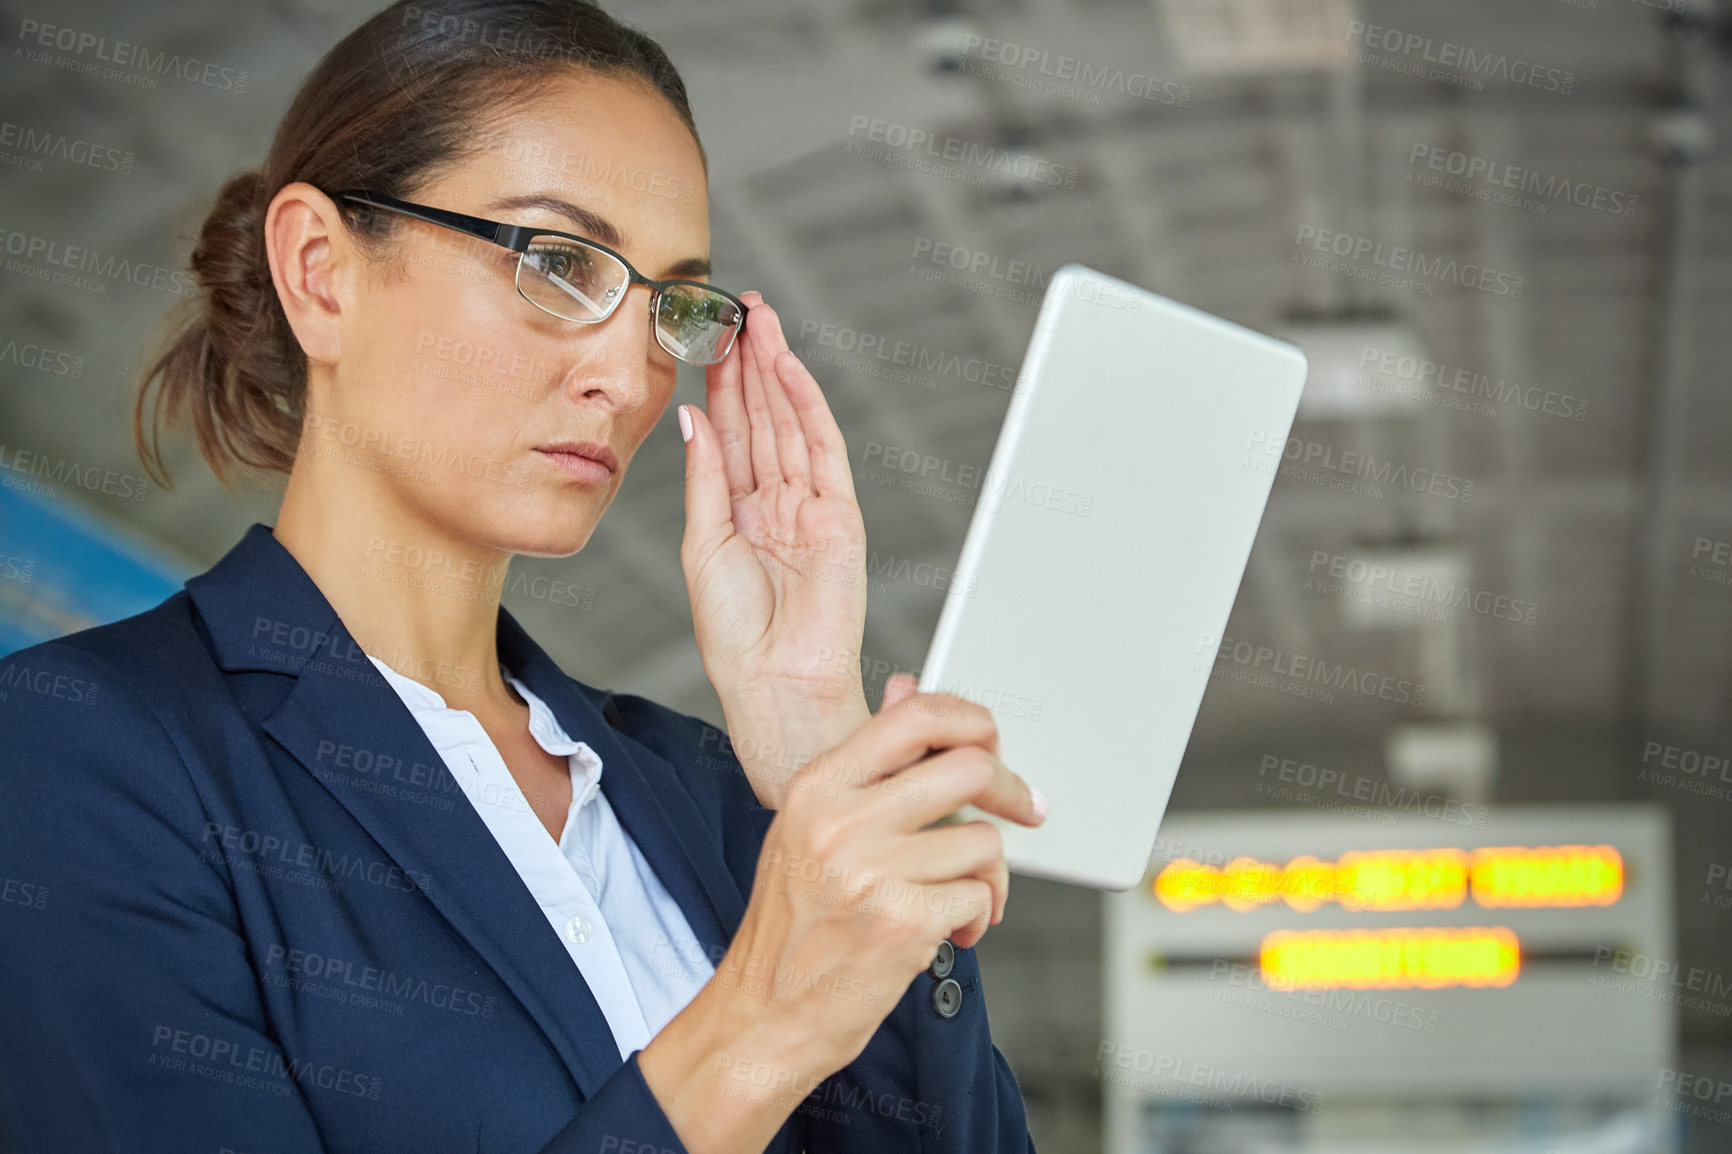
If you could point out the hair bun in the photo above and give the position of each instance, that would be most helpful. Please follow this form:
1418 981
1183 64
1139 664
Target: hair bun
229 259
235 364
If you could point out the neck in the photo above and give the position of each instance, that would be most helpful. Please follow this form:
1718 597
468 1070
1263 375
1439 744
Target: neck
417 597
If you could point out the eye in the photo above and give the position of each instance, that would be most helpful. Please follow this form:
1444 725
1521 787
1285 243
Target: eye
563 262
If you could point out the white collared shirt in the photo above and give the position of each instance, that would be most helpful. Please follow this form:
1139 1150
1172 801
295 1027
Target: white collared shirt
627 936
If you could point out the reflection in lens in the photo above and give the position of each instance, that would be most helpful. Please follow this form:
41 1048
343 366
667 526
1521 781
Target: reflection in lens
695 323
570 279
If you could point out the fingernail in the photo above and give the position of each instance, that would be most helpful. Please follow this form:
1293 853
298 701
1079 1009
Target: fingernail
1041 805
685 424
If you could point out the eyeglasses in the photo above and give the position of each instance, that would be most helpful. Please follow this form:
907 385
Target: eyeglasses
583 280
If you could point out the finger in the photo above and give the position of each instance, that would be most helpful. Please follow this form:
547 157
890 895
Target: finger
899 687
725 404
761 425
791 449
972 849
970 935
939 908
827 451
948 852
969 775
963 909
709 511
900 735
1000 886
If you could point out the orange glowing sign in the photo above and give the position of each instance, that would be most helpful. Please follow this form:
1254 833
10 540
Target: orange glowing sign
1426 959
1403 879
1561 875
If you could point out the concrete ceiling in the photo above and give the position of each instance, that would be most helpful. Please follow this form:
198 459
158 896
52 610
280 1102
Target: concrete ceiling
1591 521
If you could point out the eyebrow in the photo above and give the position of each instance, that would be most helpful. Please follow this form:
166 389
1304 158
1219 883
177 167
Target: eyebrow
597 227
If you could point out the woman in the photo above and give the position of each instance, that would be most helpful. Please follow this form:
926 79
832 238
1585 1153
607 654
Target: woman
324 852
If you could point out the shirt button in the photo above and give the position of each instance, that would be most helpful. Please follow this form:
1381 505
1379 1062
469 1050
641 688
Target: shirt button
577 930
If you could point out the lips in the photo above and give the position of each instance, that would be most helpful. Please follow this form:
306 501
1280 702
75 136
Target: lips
601 454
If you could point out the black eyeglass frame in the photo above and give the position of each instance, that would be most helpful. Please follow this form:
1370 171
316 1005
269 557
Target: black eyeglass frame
516 237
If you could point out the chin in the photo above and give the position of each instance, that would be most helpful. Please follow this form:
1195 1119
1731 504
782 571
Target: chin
555 521
555 538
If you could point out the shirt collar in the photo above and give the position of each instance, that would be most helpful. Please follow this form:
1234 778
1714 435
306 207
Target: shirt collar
543 725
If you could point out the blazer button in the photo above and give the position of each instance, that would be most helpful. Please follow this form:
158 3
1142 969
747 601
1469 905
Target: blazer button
947 998
945 961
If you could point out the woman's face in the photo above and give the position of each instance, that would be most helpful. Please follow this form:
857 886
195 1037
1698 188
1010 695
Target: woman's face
450 386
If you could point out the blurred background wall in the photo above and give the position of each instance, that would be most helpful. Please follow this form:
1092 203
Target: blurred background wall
1499 230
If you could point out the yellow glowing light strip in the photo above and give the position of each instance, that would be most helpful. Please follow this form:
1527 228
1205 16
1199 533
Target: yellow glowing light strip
1498 877
1562 875
1426 959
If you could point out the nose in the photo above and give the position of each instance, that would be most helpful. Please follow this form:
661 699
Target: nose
617 356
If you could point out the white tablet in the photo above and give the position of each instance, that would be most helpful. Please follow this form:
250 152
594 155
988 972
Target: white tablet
1108 539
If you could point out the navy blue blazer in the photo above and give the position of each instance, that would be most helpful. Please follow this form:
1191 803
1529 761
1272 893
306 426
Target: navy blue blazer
247 909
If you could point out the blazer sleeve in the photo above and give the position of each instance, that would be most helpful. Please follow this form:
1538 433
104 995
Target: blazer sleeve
924 1082
134 1016
132 1010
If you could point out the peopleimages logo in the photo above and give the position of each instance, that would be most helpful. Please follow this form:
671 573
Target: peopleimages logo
980 263
81 260
1663 980
1347 469
63 472
124 55
33 144
956 150
1118 1063
1070 76
1418 585
974 370
1396 370
1497 175
1475 64
1299 668
1388 798
44 360
1397 258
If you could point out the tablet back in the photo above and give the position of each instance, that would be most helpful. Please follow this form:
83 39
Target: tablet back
1108 539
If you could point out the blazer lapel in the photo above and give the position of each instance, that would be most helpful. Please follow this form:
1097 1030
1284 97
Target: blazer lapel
263 611
470 880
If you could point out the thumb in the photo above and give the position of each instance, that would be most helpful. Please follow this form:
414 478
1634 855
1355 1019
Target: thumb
709 513
899 687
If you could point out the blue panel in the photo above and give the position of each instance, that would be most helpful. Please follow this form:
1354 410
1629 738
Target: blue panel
62 570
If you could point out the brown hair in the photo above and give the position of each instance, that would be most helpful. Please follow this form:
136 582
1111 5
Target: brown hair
390 103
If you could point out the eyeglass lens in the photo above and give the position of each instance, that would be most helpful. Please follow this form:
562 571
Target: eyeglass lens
580 283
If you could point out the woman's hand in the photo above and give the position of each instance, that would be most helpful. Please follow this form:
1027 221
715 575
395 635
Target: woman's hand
854 893
774 557
852 897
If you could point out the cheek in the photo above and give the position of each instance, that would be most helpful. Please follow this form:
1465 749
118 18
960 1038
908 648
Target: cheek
661 392
445 357
634 428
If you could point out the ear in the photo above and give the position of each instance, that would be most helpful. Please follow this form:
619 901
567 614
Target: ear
310 255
